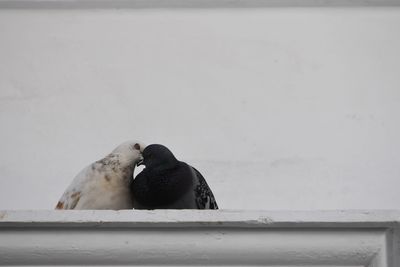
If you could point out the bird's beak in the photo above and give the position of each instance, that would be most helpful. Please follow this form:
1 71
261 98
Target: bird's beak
140 162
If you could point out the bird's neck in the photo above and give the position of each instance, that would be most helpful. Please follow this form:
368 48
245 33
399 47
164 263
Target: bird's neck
165 167
120 163
124 160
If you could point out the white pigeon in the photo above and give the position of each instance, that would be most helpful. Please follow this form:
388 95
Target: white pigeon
105 183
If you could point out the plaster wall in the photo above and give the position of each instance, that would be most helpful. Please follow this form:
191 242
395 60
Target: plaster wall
279 108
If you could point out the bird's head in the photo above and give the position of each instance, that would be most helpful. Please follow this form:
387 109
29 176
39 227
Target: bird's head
131 151
157 156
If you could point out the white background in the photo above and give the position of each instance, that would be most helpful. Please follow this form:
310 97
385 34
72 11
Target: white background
279 108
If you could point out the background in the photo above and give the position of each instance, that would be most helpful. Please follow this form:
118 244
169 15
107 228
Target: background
279 108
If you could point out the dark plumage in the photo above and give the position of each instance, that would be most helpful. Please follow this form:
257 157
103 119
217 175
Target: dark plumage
167 183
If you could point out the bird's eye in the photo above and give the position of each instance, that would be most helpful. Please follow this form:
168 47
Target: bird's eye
137 146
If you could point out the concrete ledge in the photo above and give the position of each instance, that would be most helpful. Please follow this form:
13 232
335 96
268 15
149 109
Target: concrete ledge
201 218
205 238
107 4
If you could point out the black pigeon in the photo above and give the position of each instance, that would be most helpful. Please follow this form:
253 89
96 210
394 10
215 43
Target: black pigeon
167 183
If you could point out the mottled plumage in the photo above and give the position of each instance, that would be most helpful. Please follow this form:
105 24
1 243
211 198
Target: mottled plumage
105 183
167 183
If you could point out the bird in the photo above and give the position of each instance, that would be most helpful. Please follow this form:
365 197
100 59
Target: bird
104 184
167 183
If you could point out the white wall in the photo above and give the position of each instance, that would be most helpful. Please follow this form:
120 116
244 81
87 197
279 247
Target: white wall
279 108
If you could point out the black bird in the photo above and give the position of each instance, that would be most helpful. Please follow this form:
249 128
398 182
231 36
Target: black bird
167 183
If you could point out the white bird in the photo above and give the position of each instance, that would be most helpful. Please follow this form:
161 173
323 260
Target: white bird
105 183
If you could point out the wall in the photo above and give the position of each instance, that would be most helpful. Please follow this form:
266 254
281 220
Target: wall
279 108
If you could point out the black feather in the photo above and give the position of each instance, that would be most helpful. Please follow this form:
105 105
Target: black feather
204 197
167 183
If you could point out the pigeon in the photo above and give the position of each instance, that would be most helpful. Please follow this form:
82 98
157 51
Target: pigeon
166 183
104 184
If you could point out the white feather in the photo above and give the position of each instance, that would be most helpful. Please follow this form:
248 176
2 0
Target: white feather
104 184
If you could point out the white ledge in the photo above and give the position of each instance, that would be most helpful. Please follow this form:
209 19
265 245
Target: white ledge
201 238
203 218
149 4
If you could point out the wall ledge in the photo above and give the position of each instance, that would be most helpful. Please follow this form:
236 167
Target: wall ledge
201 218
150 4
205 238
